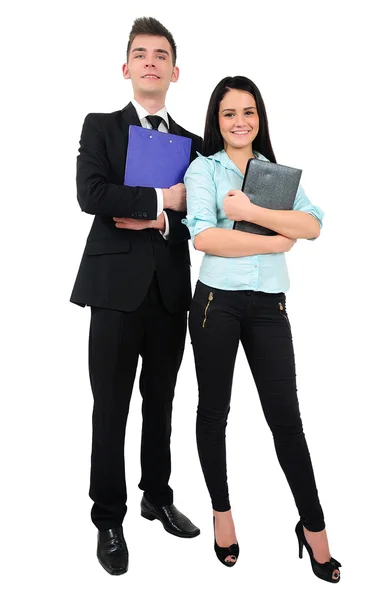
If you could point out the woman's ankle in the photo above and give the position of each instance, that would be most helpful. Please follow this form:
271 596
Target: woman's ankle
318 542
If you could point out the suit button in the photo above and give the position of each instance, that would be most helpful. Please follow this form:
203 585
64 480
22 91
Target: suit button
145 215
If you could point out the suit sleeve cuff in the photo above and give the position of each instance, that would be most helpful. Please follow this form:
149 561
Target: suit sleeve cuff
160 201
165 233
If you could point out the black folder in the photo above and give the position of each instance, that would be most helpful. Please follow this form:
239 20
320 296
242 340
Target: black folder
269 185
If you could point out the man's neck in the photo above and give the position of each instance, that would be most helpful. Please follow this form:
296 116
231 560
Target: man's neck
150 103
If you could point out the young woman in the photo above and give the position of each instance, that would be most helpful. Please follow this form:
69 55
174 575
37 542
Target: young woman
240 297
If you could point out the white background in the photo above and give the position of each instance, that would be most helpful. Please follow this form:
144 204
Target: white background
318 67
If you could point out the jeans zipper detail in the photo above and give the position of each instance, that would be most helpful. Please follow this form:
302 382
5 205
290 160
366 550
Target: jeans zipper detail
282 312
210 298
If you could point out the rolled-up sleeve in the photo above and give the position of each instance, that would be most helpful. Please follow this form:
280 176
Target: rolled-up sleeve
201 196
303 203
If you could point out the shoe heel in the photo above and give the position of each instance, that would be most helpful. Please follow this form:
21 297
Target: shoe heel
222 553
147 515
300 549
322 570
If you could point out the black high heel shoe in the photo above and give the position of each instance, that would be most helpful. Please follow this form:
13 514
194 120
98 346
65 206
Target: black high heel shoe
322 570
222 553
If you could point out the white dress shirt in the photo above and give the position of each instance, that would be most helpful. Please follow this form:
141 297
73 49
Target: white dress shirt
164 126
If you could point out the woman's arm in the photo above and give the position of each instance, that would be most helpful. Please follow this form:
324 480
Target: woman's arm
232 243
290 223
304 221
201 219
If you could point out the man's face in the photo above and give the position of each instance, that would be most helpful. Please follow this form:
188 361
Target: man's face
150 66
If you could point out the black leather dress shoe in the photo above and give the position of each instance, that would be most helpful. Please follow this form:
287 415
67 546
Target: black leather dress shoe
112 551
172 519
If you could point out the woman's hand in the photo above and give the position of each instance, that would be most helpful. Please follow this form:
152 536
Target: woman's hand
237 206
283 244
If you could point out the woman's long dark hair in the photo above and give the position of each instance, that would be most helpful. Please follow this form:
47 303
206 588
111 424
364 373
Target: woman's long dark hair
213 140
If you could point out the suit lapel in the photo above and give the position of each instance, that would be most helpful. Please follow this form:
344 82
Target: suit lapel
130 115
177 130
174 127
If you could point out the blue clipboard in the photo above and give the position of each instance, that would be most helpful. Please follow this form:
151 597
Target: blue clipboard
156 159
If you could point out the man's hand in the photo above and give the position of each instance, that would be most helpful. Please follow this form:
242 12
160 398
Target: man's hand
139 224
175 197
237 206
134 224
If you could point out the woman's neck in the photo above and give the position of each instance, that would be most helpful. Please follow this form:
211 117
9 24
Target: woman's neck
240 156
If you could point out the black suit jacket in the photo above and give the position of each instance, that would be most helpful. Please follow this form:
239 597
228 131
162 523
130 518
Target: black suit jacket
118 264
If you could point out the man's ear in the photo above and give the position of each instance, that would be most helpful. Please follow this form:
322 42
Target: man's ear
126 73
175 74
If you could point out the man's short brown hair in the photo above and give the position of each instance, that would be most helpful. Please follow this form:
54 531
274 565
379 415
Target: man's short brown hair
151 26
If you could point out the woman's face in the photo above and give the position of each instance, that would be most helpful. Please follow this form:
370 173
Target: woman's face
238 119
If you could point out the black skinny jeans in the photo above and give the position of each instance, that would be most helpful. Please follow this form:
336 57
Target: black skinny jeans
218 320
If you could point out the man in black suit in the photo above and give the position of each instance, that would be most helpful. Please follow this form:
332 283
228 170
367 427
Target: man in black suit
135 276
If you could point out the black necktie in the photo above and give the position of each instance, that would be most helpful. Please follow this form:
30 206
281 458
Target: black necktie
154 120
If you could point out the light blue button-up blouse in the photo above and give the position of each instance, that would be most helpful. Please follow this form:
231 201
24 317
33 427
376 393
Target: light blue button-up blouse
207 181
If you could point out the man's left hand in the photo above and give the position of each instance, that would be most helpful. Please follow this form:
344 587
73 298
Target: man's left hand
136 224
139 224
